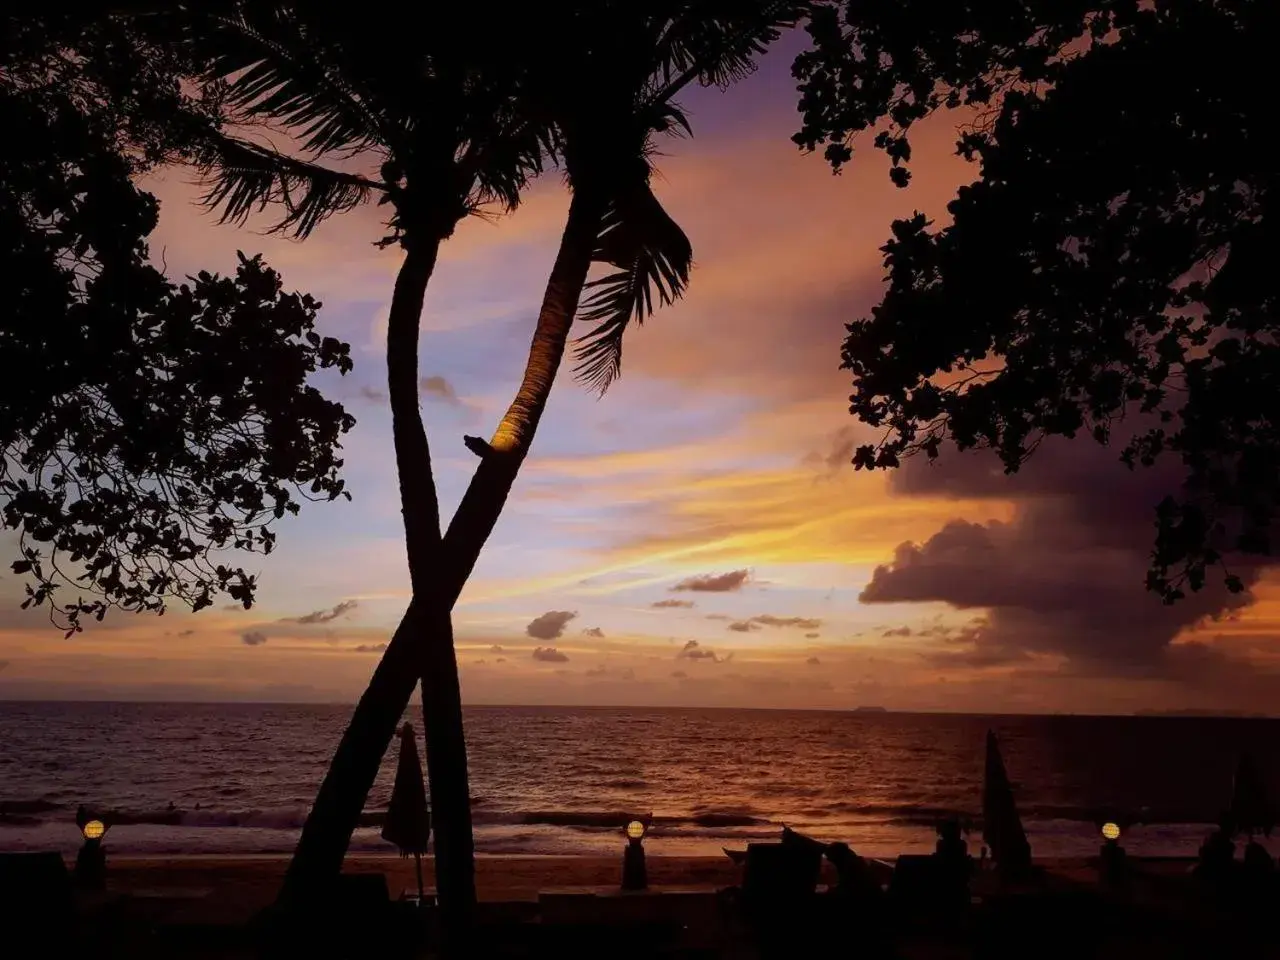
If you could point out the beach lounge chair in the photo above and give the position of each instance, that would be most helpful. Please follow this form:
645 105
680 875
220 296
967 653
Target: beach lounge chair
777 904
353 916
855 902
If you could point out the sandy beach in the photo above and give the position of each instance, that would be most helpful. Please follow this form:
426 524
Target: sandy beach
251 883
204 906
230 890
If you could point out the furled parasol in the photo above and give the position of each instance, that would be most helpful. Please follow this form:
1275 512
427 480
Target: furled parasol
1001 826
408 823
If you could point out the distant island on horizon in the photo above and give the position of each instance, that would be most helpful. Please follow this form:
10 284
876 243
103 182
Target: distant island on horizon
1203 713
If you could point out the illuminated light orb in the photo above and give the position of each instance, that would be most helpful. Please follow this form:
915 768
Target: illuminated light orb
94 830
1111 831
635 830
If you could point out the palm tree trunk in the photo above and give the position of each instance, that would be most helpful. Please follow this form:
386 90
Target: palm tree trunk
434 656
340 801
424 648
491 484
355 765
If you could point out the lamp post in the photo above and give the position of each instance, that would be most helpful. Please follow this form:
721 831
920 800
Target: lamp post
1112 854
634 874
91 861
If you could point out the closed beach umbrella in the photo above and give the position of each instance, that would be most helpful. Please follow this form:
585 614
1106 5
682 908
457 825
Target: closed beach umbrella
1001 826
408 823
1251 809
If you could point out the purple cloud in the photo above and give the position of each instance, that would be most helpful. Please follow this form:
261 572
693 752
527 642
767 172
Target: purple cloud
550 625
714 582
549 655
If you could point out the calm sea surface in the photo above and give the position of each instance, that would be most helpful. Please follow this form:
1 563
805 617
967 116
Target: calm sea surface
560 780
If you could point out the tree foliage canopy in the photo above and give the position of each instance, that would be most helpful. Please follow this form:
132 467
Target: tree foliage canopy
1111 262
144 426
439 129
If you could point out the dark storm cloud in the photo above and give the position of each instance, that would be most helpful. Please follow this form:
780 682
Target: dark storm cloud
1066 575
253 638
593 632
672 604
549 655
714 582
550 625
323 616
371 648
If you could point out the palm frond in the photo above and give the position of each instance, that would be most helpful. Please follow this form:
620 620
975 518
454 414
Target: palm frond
506 152
277 68
653 257
243 177
717 42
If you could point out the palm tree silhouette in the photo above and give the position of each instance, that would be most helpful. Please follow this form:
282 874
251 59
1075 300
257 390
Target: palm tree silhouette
451 130
437 122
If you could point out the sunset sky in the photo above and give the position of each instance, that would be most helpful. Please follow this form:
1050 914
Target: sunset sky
697 536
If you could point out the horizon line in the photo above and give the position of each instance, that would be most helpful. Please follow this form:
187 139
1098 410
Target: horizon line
862 710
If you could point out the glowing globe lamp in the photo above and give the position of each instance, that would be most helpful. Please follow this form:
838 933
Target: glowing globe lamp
635 831
1111 831
95 830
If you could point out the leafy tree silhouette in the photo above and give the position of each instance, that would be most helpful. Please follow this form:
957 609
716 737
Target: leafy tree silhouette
145 427
1108 264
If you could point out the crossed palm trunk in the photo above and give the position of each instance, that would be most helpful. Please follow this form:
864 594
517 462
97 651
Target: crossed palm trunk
422 646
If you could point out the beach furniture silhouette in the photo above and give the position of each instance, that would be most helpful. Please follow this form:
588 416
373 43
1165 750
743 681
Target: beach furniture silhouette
352 916
776 904
36 901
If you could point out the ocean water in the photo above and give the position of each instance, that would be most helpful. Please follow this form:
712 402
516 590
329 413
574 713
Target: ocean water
239 778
